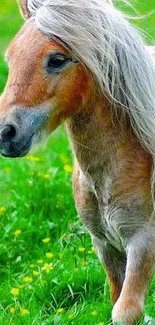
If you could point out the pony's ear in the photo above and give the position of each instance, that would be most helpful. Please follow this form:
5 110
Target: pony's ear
23 6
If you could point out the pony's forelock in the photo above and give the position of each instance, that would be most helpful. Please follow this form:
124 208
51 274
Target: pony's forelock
113 51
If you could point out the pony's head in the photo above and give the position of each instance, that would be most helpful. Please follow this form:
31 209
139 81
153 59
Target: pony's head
66 54
46 85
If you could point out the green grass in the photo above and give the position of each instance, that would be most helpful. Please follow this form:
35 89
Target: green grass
67 286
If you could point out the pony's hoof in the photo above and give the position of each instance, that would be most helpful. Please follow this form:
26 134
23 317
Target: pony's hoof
126 312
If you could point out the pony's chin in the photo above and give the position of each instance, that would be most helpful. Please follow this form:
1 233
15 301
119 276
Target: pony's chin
15 152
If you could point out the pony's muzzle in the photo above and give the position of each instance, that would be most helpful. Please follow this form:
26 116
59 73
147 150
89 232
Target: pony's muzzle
13 143
8 132
19 130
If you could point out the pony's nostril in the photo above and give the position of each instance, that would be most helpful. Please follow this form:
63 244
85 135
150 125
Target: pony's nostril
8 133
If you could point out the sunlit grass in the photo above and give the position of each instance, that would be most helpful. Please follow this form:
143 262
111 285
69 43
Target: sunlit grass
49 271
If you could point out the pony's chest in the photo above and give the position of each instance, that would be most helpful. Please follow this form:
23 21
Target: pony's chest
109 212
110 217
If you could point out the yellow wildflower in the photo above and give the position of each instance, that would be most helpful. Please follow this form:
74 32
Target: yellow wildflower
24 312
49 255
7 169
2 210
60 310
46 176
47 267
32 266
100 323
40 261
35 273
68 168
94 313
81 249
46 240
27 279
84 263
15 291
12 310
70 317
32 158
17 232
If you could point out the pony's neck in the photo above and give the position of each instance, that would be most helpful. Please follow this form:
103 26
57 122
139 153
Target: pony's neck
107 151
93 133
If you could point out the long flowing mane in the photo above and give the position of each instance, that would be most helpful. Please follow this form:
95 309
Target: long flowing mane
112 49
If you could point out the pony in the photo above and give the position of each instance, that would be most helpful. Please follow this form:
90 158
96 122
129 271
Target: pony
82 63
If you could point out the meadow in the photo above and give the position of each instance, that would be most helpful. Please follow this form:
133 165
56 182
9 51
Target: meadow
49 271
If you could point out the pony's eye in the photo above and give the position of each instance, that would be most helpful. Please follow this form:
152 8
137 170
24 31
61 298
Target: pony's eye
55 63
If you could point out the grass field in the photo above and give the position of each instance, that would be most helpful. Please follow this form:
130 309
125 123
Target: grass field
48 269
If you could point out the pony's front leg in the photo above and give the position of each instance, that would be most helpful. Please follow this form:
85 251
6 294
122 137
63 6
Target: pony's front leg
114 264
86 203
87 206
139 271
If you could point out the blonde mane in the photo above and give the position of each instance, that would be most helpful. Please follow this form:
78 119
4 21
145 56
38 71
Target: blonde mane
112 49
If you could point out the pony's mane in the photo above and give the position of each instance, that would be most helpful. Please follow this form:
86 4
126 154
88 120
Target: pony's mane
111 48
